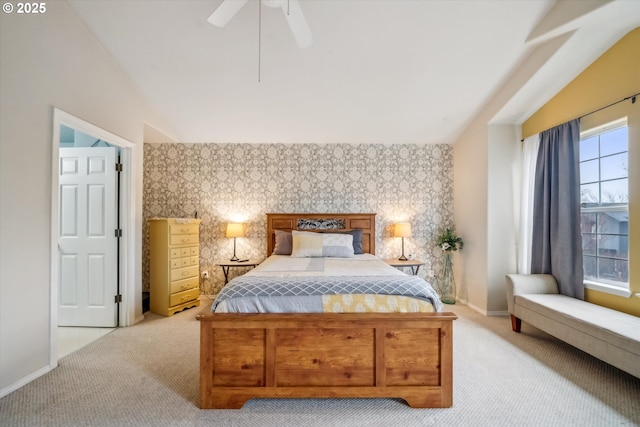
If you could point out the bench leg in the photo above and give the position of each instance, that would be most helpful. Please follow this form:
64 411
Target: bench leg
515 323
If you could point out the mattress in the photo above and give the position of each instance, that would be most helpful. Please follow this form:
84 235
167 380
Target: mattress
364 283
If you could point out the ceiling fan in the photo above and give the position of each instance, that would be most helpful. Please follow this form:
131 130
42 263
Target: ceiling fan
291 8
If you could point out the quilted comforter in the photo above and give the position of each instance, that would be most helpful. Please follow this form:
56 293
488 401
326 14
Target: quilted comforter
319 285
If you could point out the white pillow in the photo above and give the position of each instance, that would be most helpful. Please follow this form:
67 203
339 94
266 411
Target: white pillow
306 244
337 245
309 244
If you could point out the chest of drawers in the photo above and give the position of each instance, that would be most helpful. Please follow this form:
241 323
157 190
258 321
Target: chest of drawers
174 264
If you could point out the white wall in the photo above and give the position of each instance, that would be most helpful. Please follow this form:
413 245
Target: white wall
48 60
503 181
470 207
485 187
483 158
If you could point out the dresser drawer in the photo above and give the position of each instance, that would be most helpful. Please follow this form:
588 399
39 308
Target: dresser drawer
194 260
184 273
193 251
184 285
183 239
175 253
183 229
182 297
185 261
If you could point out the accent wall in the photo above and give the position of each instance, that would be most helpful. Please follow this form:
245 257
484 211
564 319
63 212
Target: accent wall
243 182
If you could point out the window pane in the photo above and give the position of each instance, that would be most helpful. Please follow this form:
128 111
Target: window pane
588 222
613 142
613 222
590 267
609 246
588 244
615 191
613 270
589 193
613 167
589 171
606 269
622 270
589 148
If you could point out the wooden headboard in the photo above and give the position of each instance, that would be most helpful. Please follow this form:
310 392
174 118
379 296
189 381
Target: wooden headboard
287 222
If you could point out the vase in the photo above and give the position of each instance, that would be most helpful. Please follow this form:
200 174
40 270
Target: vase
436 286
446 283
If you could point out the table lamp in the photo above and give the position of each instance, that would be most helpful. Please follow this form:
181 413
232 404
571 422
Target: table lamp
234 230
402 229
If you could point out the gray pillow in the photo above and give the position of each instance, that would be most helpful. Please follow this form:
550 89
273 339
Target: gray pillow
283 243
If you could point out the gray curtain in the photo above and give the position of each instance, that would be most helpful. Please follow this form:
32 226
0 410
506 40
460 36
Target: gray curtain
556 242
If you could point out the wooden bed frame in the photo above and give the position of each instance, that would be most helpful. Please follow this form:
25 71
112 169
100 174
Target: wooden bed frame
311 355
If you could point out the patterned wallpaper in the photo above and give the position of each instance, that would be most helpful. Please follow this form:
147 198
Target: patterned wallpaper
242 182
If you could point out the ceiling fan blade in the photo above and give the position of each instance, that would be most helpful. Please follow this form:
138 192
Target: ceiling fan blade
227 10
297 23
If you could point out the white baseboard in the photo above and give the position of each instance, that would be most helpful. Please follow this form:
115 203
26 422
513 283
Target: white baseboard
24 381
488 313
497 313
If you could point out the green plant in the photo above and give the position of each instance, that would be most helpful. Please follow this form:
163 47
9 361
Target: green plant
448 240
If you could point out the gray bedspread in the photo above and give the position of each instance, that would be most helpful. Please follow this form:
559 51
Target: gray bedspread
246 292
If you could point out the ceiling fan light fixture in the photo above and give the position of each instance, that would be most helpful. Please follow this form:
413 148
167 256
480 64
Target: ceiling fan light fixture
291 9
225 12
275 3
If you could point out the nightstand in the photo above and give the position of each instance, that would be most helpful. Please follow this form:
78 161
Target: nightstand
229 264
413 263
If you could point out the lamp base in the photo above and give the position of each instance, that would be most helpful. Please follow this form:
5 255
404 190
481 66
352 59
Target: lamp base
402 257
235 258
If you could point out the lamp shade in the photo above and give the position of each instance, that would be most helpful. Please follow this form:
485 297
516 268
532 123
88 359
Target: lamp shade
235 229
402 229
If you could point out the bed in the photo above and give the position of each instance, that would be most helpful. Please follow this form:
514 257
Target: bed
406 355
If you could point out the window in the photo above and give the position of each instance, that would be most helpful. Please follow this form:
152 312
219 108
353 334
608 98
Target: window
604 198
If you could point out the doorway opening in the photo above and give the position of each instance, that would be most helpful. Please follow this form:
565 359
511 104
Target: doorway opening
108 275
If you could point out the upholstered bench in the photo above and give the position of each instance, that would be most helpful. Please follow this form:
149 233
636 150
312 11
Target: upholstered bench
609 335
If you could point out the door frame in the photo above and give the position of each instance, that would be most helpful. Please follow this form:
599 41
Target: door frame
127 222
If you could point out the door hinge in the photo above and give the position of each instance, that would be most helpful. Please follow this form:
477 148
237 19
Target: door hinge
118 167
118 232
118 298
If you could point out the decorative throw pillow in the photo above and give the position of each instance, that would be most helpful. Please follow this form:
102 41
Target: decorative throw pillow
310 244
306 244
283 243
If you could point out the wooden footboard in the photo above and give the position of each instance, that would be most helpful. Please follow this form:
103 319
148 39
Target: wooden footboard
393 355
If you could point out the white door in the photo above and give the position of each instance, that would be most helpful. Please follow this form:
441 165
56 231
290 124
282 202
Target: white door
87 241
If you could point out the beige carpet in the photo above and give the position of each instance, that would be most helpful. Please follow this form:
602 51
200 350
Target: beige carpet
148 375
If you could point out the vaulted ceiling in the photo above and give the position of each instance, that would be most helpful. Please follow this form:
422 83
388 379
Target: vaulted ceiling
388 71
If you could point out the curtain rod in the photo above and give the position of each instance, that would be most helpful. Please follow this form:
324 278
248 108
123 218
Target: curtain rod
631 97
